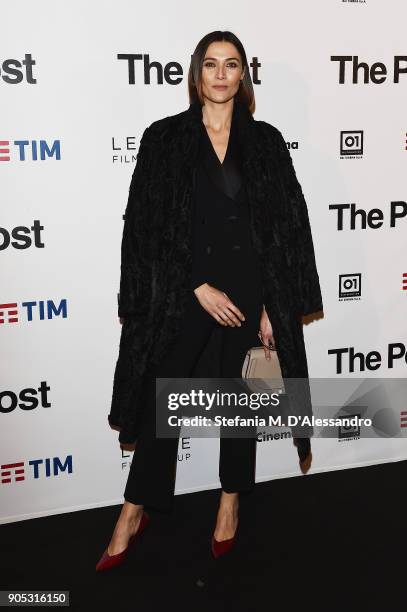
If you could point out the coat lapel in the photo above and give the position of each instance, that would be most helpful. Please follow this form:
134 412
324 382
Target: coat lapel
225 176
260 169
243 144
242 121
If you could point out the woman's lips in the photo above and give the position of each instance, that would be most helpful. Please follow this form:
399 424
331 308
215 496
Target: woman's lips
220 86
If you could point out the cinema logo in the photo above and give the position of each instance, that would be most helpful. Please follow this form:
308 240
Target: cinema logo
350 287
351 144
265 436
34 469
347 433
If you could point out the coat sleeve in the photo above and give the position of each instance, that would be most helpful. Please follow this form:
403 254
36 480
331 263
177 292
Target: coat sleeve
134 267
305 273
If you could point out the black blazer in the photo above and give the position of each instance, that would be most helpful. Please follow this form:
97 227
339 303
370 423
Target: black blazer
221 224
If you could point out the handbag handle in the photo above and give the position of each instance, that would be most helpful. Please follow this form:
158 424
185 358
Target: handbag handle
271 347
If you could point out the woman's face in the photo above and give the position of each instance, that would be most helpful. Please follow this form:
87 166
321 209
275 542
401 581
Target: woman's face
221 72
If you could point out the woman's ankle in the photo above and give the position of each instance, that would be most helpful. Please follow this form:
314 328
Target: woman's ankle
131 511
228 500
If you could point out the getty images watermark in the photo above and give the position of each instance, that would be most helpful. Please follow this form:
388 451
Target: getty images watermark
208 401
319 407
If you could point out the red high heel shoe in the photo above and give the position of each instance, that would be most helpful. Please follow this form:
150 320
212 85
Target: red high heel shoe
107 561
224 546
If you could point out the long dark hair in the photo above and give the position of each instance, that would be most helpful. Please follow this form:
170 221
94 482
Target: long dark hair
245 93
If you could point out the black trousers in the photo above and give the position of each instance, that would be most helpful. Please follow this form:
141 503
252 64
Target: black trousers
151 479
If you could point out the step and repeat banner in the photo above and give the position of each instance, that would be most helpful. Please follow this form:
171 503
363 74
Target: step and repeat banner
79 83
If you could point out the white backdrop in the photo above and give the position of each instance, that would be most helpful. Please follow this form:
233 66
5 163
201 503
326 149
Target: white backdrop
61 221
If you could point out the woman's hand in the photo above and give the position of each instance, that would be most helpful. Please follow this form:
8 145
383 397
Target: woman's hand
219 306
266 333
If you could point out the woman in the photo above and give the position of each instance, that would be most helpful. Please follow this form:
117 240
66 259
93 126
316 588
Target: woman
216 237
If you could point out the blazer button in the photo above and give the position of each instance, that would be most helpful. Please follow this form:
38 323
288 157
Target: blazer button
203 220
236 247
208 249
232 218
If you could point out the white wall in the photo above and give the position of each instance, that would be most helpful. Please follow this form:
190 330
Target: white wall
81 98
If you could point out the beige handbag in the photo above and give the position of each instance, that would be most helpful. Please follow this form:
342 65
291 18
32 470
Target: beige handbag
260 374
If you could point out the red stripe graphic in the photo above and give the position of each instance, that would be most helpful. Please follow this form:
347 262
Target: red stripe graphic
6 473
5 311
6 151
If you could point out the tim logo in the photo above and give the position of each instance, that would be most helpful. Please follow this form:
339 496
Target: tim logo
403 418
29 150
351 143
349 432
41 310
35 468
350 286
404 282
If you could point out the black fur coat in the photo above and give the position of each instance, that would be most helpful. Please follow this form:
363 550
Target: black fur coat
156 253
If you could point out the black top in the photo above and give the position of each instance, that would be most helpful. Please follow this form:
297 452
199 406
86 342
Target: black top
223 255
226 175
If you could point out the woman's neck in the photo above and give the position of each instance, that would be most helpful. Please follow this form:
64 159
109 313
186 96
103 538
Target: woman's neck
217 116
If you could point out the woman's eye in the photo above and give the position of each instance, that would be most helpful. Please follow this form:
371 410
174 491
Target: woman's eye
229 65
